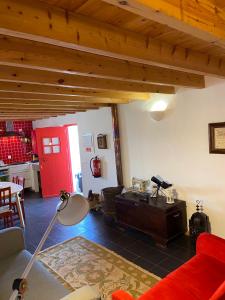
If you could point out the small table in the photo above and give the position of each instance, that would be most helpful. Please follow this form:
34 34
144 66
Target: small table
15 190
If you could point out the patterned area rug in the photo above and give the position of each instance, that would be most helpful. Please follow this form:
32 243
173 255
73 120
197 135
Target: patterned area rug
78 262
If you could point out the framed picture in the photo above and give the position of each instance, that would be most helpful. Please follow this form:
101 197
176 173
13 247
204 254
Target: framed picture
140 185
217 138
102 141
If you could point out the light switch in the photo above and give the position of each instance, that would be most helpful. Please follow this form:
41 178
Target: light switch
9 156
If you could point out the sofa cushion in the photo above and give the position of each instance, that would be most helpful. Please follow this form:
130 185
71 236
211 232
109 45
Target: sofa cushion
197 279
11 241
211 245
41 284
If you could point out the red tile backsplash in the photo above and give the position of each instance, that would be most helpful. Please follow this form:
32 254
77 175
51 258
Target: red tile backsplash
13 145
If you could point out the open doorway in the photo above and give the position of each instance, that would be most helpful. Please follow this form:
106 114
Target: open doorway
75 158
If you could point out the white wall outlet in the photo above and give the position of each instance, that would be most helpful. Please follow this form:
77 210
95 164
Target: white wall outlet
9 156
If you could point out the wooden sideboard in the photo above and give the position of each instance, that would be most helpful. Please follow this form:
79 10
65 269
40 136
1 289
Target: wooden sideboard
152 216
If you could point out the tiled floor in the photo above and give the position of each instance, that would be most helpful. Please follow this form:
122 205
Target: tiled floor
133 245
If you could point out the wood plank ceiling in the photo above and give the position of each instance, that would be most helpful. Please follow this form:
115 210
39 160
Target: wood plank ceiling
66 56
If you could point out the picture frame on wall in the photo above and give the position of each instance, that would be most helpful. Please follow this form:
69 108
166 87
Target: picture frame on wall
217 138
102 141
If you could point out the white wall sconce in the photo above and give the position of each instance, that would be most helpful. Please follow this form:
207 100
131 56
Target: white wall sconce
157 115
158 110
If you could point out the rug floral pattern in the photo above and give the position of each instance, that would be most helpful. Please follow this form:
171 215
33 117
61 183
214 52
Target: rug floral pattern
80 262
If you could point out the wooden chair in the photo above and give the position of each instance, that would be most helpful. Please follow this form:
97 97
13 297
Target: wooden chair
20 181
15 179
6 207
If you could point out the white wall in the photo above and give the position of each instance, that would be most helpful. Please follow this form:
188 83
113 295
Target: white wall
95 122
177 148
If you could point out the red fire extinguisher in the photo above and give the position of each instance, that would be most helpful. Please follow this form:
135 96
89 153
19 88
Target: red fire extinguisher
95 166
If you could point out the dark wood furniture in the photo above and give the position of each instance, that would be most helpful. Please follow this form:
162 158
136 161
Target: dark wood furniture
6 209
20 181
152 216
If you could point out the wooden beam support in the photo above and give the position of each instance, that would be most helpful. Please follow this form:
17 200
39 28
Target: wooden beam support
65 91
48 24
14 52
116 140
203 19
40 77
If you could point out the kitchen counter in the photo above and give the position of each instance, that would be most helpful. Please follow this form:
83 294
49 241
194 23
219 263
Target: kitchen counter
20 163
28 170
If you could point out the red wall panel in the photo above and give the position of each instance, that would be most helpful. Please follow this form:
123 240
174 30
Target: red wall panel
19 151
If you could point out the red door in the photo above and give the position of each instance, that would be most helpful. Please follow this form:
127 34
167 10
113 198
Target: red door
54 157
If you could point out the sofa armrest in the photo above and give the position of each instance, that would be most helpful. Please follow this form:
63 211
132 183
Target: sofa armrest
211 245
11 241
121 295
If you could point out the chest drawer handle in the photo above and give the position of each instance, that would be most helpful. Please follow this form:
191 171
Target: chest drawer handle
176 215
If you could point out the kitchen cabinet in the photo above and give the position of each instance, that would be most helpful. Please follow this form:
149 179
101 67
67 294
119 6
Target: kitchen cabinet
4 174
21 170
35 169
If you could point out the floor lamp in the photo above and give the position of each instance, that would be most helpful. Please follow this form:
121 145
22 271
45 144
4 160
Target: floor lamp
70 211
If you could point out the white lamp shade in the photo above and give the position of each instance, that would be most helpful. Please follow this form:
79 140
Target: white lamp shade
74 211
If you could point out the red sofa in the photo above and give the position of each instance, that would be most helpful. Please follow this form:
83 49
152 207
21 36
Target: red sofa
201 278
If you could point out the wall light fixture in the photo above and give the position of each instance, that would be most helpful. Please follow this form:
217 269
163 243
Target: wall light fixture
158 109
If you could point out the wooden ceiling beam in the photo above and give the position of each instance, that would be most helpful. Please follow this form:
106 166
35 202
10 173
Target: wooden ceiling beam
49 108
69 99
44 108
38 103
40 77
19 119
27 115
50 102
202 19
31 113
48 24
65 91
14 52
37 113
40 110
